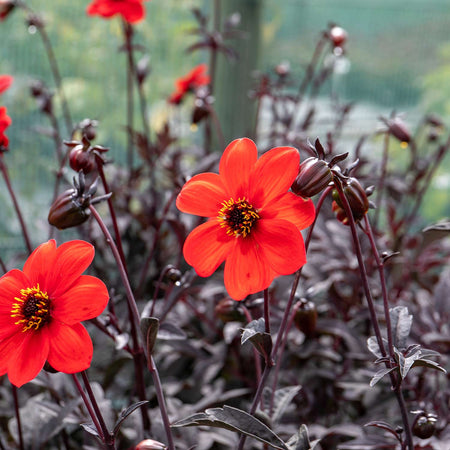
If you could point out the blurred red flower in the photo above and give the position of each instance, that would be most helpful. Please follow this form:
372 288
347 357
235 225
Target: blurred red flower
132 11
5 82
41 309
254 221
5 122
195 78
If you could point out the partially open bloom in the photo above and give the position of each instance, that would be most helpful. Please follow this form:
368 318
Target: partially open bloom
5 82
41 309
5 122
132 11
194 79
254 221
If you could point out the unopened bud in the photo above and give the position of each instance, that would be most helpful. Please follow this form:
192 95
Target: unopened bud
314 176
398 129
82 159
305 317
424 425
71 208
66 211
150 444
357 200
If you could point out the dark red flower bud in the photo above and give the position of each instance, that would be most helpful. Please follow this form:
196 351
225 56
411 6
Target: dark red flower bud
338 36
305 318
424 425
314 176
81 158
357 199
71 208
228 310
398 129
67 211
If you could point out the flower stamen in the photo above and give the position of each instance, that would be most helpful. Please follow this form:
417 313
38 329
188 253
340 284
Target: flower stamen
238 217
32 308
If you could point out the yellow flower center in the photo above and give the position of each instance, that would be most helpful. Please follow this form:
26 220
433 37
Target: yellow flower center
237 217
32 308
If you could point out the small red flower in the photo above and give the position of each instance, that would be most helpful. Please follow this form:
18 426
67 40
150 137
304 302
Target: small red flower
5 122
132 11
195 78
41 309
5 82
254 221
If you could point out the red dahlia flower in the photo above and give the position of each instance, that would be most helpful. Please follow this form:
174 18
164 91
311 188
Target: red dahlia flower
194 79
5 82
132 11
254 222
5 122
41 309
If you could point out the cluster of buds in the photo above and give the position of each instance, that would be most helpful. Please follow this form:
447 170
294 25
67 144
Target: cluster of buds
71 208
82 156
315 174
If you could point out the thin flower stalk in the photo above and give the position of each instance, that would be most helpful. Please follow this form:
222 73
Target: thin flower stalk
161 401
89 408
138 351
256 355
108 437
112 212
365 281
17 413
23 226
288 318
384 293
382 178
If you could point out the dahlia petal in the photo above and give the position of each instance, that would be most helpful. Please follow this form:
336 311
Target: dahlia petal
70 347
37 266
281 245
30 354
236 164
202 195
206 247
273 175
10 285
291 207
5 82
71 260
131 10
246 271
84 300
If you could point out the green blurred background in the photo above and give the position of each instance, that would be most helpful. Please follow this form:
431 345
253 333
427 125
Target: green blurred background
398 58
